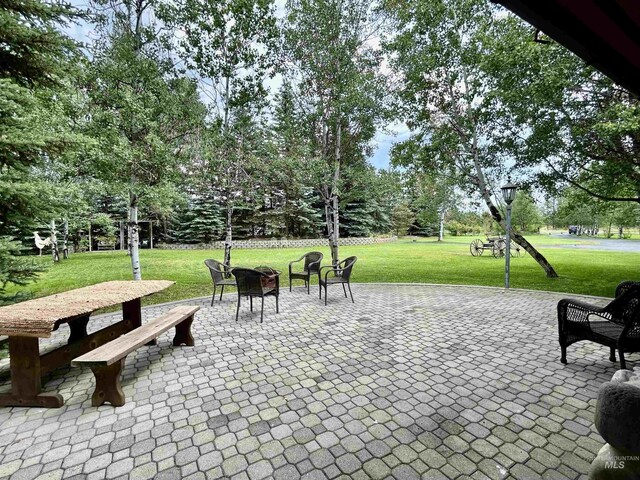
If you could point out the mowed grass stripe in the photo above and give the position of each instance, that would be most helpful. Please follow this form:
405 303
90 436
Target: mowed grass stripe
406 261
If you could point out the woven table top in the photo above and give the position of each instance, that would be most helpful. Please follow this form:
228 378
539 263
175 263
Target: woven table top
37 317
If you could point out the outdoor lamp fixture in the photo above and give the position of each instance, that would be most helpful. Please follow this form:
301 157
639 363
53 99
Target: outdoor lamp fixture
509 195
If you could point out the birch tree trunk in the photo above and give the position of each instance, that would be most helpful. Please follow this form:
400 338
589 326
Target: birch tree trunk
335 200
134 238
495 213
481 183
443 211
54 242
65 238
227 240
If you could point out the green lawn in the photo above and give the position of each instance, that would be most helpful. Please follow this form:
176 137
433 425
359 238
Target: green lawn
419 261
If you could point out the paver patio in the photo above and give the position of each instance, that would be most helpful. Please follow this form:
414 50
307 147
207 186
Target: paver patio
412 381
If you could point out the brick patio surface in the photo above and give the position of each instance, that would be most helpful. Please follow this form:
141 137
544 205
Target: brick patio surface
410 382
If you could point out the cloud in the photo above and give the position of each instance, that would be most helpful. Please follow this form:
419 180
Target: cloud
385 140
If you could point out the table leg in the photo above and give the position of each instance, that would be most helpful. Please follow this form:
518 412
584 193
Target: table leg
26 386
132 310
78 329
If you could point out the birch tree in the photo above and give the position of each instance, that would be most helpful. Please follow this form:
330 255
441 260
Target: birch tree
438 51
230 45
332 56
562 114
141 112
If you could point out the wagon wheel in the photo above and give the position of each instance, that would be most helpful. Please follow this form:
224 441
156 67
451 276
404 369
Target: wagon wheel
476 247
517 250
498 248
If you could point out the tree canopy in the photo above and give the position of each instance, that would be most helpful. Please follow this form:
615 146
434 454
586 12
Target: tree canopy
241 118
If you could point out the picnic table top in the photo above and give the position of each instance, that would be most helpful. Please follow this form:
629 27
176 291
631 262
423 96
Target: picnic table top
38 317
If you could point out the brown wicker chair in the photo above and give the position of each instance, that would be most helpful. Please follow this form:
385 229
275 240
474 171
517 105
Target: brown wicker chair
218 275
312 262
253 283
341 275
616 325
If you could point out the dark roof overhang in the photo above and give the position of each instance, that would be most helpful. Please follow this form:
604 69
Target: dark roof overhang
604 33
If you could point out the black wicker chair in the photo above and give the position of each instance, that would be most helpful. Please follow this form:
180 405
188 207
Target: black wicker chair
341 275
312 262
253 283
218 275
616 325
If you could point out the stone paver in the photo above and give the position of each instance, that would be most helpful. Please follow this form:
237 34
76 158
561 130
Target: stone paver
411 381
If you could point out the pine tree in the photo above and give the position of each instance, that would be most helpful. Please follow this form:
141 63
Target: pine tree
204 221
33 64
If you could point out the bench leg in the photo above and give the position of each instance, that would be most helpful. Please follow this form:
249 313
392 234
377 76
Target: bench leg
108 388
183 333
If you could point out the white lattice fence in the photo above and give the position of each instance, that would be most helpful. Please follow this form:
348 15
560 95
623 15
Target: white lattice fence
277 243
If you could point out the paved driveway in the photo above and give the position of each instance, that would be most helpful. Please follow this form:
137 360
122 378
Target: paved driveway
596 243
411 381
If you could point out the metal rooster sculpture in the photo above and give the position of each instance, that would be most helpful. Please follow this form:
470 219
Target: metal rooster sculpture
41 243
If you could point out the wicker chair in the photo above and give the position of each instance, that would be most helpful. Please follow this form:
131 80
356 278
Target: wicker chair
311 267
218 275
253 283
341 275
616 325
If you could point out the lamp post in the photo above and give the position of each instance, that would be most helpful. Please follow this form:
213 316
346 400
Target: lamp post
509 195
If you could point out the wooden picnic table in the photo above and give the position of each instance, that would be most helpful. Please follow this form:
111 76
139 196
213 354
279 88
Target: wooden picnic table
26 322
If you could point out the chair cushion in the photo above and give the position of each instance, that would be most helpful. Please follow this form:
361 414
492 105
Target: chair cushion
608 330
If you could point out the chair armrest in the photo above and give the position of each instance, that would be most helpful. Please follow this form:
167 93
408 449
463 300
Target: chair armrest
330 268
295 261
221 272
571 310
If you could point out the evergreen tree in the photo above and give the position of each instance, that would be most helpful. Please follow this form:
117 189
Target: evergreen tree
34 61
292 171
403 217
203 221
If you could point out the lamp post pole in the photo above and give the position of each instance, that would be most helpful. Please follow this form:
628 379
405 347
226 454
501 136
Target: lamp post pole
509 195
507 265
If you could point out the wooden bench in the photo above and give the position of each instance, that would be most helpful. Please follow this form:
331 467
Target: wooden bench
107 361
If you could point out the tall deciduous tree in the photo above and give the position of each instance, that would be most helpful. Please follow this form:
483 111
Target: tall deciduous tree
330 47
562 117
231 46
438 51
141 113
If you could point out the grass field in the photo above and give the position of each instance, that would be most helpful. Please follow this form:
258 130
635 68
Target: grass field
408 260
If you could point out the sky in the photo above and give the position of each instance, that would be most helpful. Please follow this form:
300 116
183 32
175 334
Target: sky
383 141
